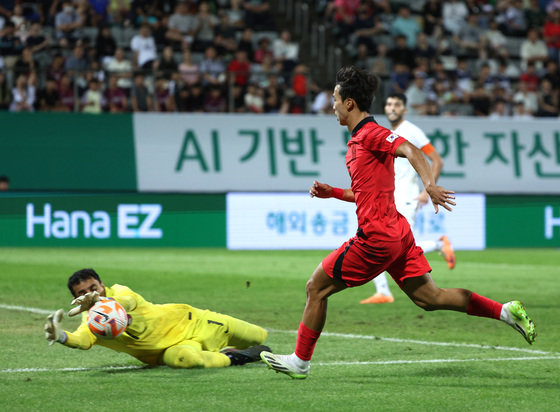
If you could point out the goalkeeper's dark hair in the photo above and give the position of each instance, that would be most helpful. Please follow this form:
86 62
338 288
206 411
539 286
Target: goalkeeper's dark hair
80 276
357 84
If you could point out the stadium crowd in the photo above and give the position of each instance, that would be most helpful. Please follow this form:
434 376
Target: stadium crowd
493 58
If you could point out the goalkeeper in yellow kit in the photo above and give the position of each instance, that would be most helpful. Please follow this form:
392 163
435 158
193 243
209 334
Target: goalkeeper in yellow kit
175 335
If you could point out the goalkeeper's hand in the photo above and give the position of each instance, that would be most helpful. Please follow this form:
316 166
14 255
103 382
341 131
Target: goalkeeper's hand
53 330
85 302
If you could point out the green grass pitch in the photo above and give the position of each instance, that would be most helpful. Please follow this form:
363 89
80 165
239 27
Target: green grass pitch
392 357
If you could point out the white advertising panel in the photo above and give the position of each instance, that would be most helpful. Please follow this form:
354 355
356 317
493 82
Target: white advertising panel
222 153
297 221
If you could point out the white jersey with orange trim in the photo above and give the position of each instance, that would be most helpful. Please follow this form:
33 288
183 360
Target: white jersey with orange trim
407 185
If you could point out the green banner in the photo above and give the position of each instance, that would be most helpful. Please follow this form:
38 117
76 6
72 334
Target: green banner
112 220
522 221
68 151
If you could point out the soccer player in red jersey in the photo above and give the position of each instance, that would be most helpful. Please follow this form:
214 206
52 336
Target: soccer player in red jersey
384 241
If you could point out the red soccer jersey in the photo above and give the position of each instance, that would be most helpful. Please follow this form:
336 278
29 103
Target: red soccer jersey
370 162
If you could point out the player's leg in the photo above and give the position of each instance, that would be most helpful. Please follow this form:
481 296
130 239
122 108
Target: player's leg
189 354
424 292
319 287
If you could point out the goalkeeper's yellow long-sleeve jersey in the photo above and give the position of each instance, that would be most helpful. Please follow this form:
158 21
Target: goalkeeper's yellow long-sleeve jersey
153 329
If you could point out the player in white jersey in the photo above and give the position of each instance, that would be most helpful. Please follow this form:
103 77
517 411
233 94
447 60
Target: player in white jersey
408 197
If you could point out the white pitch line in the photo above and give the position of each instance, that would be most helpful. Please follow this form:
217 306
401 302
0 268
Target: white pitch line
399 362
342 363
422 342
353 336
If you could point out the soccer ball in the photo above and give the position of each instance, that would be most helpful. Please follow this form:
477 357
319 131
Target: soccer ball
107 319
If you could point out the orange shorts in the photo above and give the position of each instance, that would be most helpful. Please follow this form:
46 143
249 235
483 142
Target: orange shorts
358 260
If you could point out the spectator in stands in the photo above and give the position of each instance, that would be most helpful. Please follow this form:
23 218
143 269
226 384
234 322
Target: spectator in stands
423 51
166 66
25 64
99 12
381 64
365 27
323 100
299 89
362 57
454 15
416 95
105 45
119 12
499 110
68 24
246 43
433 18
164 99
400 78
406 25
10 46
36 40
115 97
534 15
432 108
519 112
463 76
240 69
4 183
261 72
547 100
257 15
66 92
236 14
144 47
343 14
263 50
493 41
23 94
401 53
77 64
286 51
21 24
273 96
140 97
515 23
552 5
480 100
122 68
182 27
530 77
214 102
189 72
552 74
551 34
224 36
93 100
527 97
211 68
469 37
254 99
48 99
533 50
206 23
5 92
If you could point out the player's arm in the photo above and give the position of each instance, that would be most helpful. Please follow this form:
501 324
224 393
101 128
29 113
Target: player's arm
324 191
437 165
81 338
439 195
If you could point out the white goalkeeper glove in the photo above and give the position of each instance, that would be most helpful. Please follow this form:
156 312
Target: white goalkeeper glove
85 302
53 330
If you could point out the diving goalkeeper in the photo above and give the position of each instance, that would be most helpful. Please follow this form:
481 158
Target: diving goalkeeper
176 335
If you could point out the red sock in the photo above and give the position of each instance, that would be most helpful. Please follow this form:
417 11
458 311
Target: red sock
481 306
306 340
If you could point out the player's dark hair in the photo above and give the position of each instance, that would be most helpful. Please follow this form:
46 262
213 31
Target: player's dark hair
400 96
80 276
4 179
357 84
